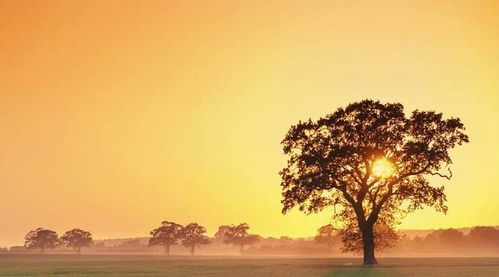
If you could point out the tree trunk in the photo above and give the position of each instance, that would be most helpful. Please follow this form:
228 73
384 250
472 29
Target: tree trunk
167 249
78 250
42 250
192 249
241 247
368 244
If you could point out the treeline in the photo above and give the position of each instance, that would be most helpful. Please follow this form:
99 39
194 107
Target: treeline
480 240
172 238
168 234
475 241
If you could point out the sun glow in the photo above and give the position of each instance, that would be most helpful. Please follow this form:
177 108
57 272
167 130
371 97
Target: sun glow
382 168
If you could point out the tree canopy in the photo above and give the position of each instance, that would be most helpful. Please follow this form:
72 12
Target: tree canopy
238 235
41 239
193 235
369 160
327 235
77 239
169 233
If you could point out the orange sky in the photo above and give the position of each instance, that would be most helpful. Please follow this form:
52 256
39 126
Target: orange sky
116 115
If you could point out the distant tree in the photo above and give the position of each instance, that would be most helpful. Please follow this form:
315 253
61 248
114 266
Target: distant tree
167 234
193 235
132 244
326 235
484 237
77 239
417 244
238 235
370 160
18 249
100 246
451 237
221 233
41 239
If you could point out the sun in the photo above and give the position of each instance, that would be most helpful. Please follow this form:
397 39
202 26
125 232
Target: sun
382 168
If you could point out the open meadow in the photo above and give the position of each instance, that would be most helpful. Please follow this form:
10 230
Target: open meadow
148 265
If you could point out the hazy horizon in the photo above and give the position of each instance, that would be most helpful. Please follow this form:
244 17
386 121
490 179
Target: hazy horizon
211 234
119 115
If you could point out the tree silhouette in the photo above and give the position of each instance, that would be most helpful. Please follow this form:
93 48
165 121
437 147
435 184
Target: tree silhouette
221 233
370 160
484 237
326 235
193 235
41 239
238 235
451 239
77 239
167 234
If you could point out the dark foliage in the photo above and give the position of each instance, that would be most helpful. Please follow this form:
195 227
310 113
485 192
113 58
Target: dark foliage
76 239
330 162
168 234
193 235
238 235
41 239
327 235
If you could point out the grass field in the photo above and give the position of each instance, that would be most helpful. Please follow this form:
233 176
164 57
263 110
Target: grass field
136 265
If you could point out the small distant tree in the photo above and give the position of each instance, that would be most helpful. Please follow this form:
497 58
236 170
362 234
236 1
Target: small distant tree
41 239
238 235
77 239
326 235
100 246
131 245
193 235
167 234
483 237
451 239
221 233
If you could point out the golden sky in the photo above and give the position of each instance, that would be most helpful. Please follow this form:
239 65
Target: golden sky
117 115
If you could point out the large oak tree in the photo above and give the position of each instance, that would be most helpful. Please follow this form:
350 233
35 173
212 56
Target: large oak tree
369 160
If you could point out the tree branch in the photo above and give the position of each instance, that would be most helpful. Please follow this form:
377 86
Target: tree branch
448 177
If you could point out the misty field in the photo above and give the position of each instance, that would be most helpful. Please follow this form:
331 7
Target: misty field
143 265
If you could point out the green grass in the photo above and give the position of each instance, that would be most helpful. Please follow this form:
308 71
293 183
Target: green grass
143 265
